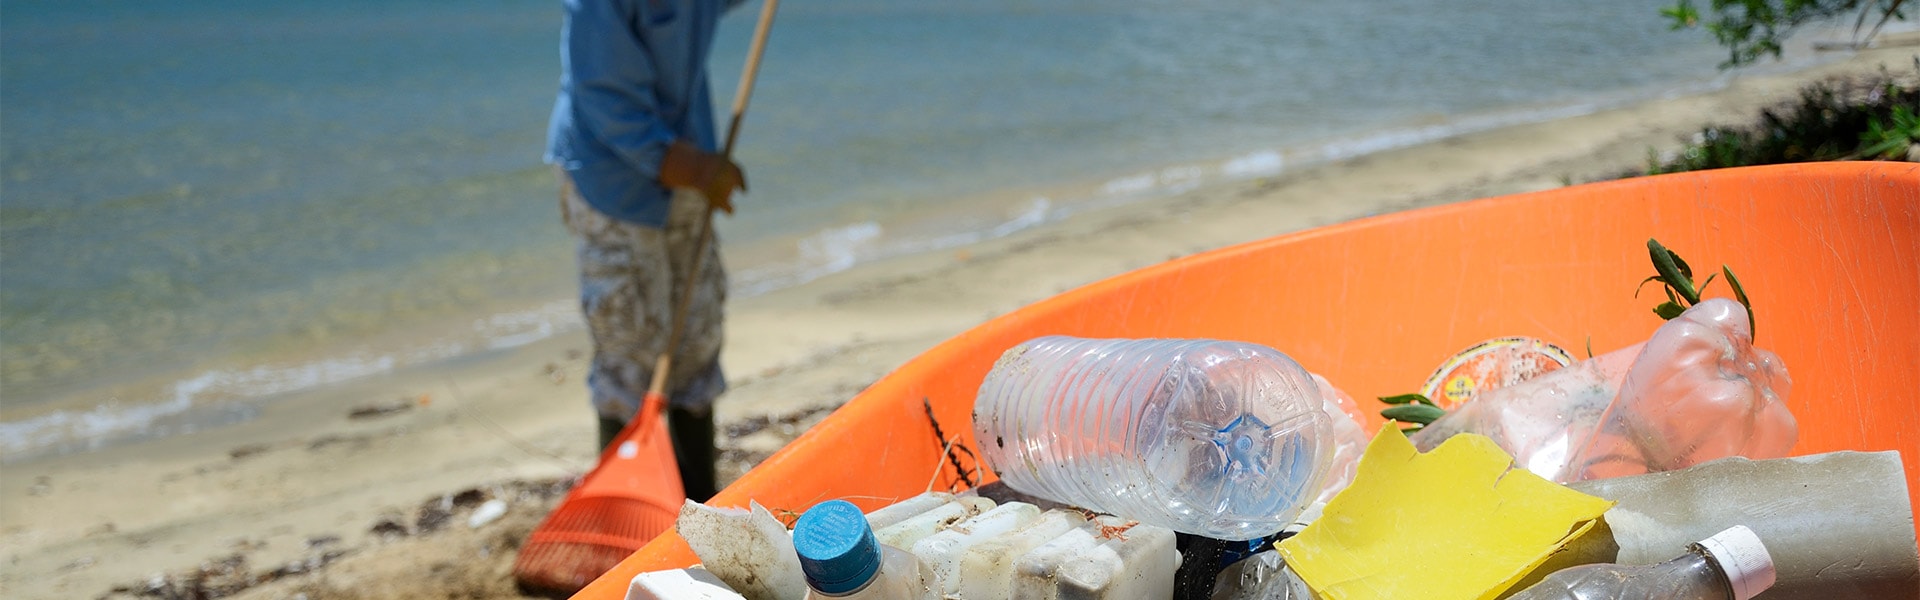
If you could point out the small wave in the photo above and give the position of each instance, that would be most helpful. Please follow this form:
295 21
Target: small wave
270 380
115 420
1159 182
1131 184
837 249
840 248
824 253
90 427
118 420
510 330
1257 164
1037 213
1394 139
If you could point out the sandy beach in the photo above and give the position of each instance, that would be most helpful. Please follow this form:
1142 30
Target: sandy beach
364 490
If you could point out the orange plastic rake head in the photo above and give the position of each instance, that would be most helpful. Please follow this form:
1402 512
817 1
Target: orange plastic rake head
631 497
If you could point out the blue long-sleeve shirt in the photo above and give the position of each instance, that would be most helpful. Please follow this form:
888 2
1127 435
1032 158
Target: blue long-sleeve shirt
633 79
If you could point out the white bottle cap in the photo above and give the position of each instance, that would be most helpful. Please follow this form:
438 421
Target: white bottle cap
1743 558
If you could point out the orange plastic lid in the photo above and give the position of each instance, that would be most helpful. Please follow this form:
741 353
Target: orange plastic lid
1491 365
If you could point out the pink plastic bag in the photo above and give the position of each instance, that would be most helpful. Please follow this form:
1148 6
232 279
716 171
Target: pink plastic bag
1696 391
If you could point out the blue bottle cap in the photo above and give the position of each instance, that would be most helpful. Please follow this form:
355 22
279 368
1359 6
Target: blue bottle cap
837 551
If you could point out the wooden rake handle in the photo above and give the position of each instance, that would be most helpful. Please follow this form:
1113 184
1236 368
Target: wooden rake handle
657 390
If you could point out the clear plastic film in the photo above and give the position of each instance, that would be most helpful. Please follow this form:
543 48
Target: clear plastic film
1697 390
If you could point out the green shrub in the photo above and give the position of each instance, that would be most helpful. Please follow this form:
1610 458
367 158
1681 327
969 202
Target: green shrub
1867 118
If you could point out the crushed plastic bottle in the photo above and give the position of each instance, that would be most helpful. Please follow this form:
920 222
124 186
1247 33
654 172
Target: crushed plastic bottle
1263 576
841 558
1223 439
1730 564
1697 390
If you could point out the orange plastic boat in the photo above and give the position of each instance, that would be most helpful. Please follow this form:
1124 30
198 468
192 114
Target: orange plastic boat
1829 253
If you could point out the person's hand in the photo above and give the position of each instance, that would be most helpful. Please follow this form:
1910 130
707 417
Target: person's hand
716 177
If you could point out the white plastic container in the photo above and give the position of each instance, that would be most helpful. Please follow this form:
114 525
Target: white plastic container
986 569
904 509
912 529
680 584
942 551
748 549
1217 438
1109 559
841 559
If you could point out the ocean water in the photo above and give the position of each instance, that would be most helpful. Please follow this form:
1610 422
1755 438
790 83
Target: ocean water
206 204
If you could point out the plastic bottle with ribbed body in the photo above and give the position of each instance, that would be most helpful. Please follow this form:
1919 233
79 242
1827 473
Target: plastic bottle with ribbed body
1730 564
1222 439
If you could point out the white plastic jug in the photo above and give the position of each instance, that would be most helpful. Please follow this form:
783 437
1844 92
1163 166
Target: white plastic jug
942 551
904 509
1110 558
680 584
986 569
913 528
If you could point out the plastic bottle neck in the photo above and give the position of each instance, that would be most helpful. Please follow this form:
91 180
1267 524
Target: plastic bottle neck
1698 559
1740 559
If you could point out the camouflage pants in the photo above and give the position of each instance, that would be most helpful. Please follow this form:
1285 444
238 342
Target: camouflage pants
630 277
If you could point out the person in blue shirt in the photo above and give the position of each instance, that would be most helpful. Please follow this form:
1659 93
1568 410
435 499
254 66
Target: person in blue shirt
632 140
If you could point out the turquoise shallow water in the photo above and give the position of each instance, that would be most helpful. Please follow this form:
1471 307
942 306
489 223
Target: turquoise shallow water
241 199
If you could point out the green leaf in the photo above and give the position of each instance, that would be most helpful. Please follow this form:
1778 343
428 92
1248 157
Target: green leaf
1685 271
1673 270
1668 310
1414 413
1406 398
1643 285
1412 430
1704 284
1740 294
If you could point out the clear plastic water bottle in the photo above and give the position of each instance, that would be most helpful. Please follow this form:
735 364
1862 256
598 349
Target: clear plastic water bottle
1730 564
842 560
1223 439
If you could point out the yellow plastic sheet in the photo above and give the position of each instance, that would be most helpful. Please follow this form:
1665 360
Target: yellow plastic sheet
1455 523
